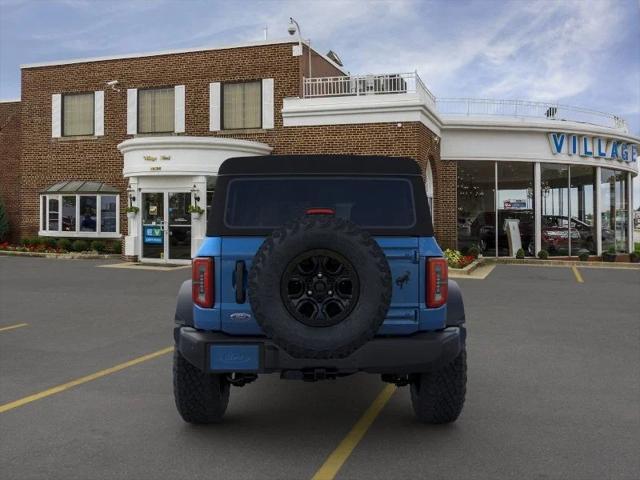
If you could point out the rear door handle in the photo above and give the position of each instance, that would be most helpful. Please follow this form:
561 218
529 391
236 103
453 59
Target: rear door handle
241 295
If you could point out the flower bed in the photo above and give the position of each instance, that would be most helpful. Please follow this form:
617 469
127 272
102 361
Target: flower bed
62 245
456 259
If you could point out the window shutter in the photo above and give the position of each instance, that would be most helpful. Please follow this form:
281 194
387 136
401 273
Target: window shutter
56 115
214 106
267 103
132 111
179 108
98 112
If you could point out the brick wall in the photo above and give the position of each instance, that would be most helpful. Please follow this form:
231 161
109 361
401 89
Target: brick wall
46 160
10 162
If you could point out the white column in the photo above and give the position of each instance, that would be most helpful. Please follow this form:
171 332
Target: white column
537 195
56 116
598 213
98 113
214 107
131 240
199 226
179 102
630 211
132 111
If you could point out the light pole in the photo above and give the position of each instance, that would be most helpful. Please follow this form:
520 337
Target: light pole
294 28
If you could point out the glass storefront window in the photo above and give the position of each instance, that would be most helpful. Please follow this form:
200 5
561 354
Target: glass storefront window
108 213
88 214
476 206
60 214
554 190
69 213
516 207
582 207
53 213
614 210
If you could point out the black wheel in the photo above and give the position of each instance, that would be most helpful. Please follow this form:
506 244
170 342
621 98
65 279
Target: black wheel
438 397
320 287
200 397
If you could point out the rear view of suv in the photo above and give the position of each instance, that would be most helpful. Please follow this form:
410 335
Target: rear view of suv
318 267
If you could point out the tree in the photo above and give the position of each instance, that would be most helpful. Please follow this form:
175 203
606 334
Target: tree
4 222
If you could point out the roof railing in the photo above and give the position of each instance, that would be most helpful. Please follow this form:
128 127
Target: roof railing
374 84
402 83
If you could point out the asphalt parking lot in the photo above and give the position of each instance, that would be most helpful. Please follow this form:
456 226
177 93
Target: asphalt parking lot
553 392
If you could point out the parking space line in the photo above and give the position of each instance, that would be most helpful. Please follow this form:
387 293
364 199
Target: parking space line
79 381
11 327
334 462
577 274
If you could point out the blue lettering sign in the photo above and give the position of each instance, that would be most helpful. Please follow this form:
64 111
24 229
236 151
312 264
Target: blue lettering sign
557 142
586 149
614 150
573 146
624 152
634 153
601 150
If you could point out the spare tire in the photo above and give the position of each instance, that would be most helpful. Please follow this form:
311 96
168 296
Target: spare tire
320 287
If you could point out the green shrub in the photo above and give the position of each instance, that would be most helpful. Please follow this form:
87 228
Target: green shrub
453 257
98 245
543 254
115 247
474 252
80 246
48 242
64 244
611 249
520 253
30 241
583 255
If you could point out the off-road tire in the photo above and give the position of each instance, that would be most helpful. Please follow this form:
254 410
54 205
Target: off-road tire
438 396
304 235
201 398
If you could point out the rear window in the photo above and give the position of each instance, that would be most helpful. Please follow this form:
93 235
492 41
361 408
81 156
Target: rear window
370 202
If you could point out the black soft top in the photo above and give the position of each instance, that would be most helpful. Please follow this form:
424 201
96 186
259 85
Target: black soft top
321 165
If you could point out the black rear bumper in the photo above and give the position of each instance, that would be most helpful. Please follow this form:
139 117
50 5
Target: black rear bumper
420 352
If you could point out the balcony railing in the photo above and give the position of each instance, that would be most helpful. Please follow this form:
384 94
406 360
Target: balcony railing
356 85
399 83
527 109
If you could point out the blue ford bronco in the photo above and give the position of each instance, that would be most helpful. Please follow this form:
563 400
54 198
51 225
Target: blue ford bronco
318 267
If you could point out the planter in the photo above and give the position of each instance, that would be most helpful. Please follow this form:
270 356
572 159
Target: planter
195 215
131 215
634 257
609 257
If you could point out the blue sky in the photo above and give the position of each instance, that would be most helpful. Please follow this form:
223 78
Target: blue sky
578 52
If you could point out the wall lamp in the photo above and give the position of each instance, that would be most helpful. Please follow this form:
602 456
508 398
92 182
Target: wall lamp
195 192
132 197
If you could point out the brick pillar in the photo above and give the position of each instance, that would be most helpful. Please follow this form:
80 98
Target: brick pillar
446 203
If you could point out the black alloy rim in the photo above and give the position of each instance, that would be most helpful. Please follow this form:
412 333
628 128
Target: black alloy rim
320 288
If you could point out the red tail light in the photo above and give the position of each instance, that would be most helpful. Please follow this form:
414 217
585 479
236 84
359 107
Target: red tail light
437 288
202 282
320 211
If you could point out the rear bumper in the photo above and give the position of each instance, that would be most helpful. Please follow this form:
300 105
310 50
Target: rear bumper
420 352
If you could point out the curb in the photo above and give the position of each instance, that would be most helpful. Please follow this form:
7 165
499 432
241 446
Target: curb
469 269
565 263
63 256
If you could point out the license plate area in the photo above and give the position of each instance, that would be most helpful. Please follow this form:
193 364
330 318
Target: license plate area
234 358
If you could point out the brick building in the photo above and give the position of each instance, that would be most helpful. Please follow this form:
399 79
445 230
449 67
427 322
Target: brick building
91 137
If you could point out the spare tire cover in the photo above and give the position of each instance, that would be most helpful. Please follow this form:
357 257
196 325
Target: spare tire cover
320 287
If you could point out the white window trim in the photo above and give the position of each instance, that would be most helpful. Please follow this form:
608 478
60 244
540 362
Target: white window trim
132 111
215 112
98 113
179 109
268 100
56 115
78 233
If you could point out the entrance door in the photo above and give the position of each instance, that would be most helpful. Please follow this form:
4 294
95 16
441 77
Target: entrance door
166 227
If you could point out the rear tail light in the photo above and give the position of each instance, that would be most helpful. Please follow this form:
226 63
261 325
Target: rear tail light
437 282
320 211
202 282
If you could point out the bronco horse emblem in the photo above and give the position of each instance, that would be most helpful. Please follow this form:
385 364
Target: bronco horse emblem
401 280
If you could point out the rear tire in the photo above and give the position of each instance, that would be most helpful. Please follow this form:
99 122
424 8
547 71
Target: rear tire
201 398
438 397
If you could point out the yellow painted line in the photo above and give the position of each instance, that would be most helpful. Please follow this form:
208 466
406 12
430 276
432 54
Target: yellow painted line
74 383
334 462
577 274
11 327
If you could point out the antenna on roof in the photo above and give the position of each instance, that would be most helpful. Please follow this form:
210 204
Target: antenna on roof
266 32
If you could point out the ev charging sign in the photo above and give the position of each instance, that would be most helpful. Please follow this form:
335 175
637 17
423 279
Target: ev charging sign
593 147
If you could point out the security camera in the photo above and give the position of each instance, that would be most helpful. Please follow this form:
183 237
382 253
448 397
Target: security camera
113 84
291 29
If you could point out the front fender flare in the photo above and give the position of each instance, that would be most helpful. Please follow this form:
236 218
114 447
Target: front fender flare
455 305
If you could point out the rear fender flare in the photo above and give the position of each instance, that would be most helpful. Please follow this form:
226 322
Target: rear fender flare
184 305
455 306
